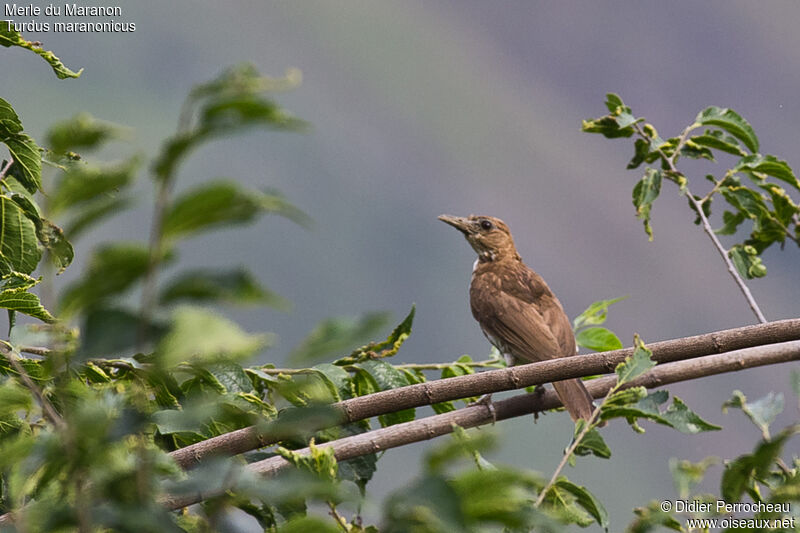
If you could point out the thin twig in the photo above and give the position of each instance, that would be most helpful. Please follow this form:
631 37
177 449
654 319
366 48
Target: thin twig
5 168
670 161
572 447
48 410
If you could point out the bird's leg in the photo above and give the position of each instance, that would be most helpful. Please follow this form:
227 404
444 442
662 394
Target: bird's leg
486 400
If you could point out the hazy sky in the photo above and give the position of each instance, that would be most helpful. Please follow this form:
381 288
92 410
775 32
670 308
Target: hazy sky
422 108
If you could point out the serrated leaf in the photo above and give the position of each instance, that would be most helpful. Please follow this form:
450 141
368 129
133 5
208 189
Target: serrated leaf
198 335
25 302
730 121
645 192
9 120
598 339
27 166
10 37
112 269
769 165
592 443
18 241
232 287
219 204
587 500
680 417
761 412
595 314
386 348
336 335
635 365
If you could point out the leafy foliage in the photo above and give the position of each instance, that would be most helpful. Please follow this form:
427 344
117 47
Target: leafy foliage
87 421
747 187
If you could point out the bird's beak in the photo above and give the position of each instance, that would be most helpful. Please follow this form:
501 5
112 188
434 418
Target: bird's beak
462 224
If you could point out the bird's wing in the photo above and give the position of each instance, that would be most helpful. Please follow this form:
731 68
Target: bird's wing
519 324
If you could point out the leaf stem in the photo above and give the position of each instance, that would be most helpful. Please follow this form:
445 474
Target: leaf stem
573 446
670 162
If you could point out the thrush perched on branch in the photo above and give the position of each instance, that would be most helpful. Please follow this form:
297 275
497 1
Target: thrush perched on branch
515 308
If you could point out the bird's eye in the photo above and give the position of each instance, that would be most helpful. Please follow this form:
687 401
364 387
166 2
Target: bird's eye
486 224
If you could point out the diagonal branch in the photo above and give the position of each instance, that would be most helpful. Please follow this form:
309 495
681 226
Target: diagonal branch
698 206
476 415
517 377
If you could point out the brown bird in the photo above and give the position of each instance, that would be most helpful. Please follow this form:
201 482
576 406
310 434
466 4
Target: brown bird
515 308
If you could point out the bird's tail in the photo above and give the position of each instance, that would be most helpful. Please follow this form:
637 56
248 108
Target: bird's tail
575 398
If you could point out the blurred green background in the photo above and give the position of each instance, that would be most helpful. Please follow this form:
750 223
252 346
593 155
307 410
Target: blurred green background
422 108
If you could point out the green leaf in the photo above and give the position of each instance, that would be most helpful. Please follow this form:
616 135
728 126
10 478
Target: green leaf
598 339
635 365
680 417
232 286
109 332
80 132
645 192
227 104
761 412
388 377
651 517
24 302
9 37
219 204
718 140
595 314
730 121
320 460
9 120
685 474
386 348
746 260
746 469
93 212
27 166
587 500
113 268
18 241
592 442
336 335
197 335
83 184
732 222
769 165
643 153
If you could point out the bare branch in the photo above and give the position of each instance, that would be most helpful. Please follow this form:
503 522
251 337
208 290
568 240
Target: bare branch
437 425
517 377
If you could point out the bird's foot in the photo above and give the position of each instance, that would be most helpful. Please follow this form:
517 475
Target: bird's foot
538 394
486 400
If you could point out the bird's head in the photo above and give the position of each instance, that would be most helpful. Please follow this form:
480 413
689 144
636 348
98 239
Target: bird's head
488 236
